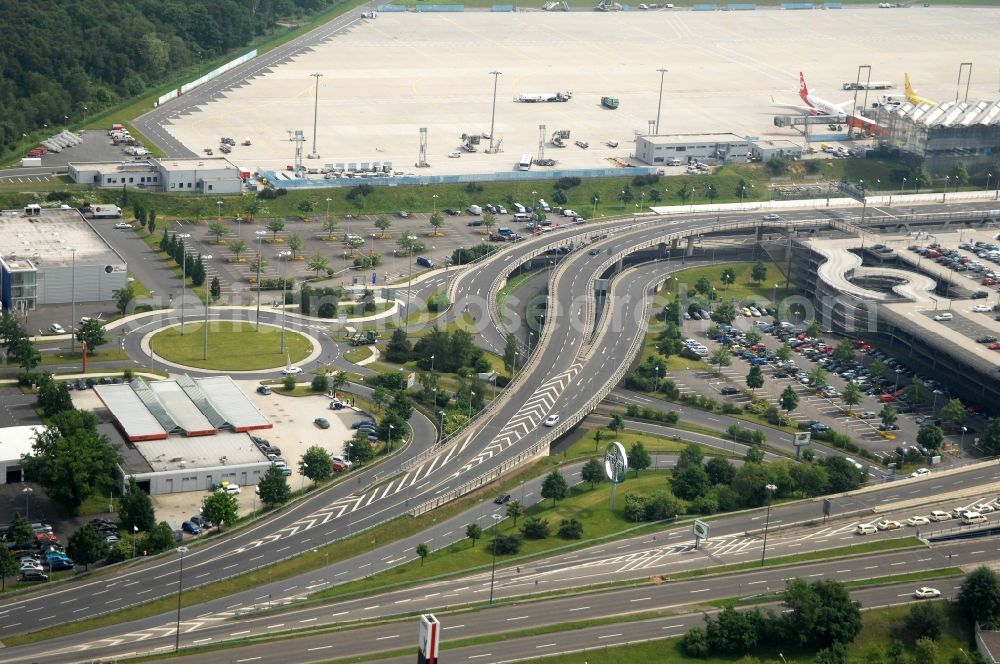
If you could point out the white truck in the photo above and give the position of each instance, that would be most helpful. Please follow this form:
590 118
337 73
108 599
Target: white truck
542 97
105 211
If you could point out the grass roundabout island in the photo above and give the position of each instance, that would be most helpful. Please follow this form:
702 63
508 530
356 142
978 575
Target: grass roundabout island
232 346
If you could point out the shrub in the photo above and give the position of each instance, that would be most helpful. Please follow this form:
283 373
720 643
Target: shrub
570 529
567 183
438 302
320 383
644 180
535 528
505 545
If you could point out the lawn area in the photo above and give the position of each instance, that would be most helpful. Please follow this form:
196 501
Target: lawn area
585 446
744 289
512 285
106 355
232 346
358 353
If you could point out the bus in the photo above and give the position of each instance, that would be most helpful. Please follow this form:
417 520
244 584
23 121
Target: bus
525 163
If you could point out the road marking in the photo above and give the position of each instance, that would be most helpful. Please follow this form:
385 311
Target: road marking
641 599
246 631
609 636
702 590
454 626
202 640
517 618
276 626
248 659
580 608
672 626
383 638
545 645
318 648
308 620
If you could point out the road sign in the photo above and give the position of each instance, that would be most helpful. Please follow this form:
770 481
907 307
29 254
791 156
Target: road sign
827 507
802 438
700 529
342 318
615 462
429 639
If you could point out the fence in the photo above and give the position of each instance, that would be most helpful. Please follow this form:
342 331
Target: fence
392 8
797 5
439 8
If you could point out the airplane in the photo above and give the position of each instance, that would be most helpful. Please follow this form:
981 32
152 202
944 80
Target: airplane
819 106
913 96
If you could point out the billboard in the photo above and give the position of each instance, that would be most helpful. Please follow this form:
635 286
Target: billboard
429 640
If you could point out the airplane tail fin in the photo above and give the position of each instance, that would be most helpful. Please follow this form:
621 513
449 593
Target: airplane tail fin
907 88
803 90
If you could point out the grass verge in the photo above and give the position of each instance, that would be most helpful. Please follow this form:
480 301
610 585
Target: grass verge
358 353
232 346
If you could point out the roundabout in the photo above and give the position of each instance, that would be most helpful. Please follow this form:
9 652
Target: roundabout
233 346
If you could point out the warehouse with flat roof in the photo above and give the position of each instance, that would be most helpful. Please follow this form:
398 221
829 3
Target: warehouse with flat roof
55 256
943 134
209 175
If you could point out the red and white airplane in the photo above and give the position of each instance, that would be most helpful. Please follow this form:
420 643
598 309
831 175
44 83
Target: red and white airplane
818 106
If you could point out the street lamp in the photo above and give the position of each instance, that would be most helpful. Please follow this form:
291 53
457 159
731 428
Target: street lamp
302 482
961 443
317 76
135 531
260 236
898 371
770 491
328 208
496 519
471 397
440 419
434 202
659 104
989 176
284 288
389 451
432 364
27 491
493 117
72 288
180 586
219 203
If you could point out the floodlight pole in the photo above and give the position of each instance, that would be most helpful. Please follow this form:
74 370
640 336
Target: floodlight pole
284 287
72 323
660 103
315 114
184 263
207 297
493 117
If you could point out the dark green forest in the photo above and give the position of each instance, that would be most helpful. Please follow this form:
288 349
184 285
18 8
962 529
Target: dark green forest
59 56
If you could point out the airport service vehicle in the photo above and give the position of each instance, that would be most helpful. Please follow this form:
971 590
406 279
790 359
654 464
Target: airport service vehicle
525 163
105 211
609 102
869 85
539 97
364 338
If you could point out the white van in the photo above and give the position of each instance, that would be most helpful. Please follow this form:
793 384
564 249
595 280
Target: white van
545 206
973 517
475 209
520 208
522 216
939 515
569 213
866 529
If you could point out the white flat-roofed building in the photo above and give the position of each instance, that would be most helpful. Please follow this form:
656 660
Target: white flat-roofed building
197 464
15 442
53 256
228 399
718 148
202 175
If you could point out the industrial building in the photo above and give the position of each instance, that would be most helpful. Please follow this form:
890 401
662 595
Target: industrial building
214 175
15 442
55 256
186 434
722 148
943 134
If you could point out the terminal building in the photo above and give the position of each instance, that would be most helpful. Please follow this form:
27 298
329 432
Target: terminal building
213 175
722 148
55 256
945 134
186 434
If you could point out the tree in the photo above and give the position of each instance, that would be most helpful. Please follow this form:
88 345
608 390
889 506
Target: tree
924 620
220 508
295 244
514 510
755 454
728 277
423 551
851 395
359 451
721 357
814 329
784 352
510 353
720 471
592 472
136 508
91 332
70 459
638 457
990 440
197 272
318 264
473 532
535 528
218 229
316 464
844 351
755 378
759 272
753 336
789 399
383 223
817 377
238 247
19 530
888 416
842 475
339 381
979 596
216 288
124 297
275 226
749 483
703 286
437 221
820 614
8 566
288 383
724 313
617 422
330 226
489 221
695 643
953 413
86 545
690 483
380 397
401 406
53 397
877 368
506 544
320 383
930 436
160 538
960 174
570 529
399 349
554 486
691 455
273 486
26 355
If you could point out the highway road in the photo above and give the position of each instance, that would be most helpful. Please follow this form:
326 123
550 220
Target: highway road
568 368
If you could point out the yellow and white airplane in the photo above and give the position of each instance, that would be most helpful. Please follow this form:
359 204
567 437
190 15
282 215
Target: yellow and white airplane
913 96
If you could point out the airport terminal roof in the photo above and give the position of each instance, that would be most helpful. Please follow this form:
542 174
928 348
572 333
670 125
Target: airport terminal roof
952 113
196 163
50 237
146 411
177 453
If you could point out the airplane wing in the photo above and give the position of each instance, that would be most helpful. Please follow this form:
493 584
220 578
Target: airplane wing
796 107
864 119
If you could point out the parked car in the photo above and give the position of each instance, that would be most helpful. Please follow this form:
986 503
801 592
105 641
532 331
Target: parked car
322 422
191 527
263 389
